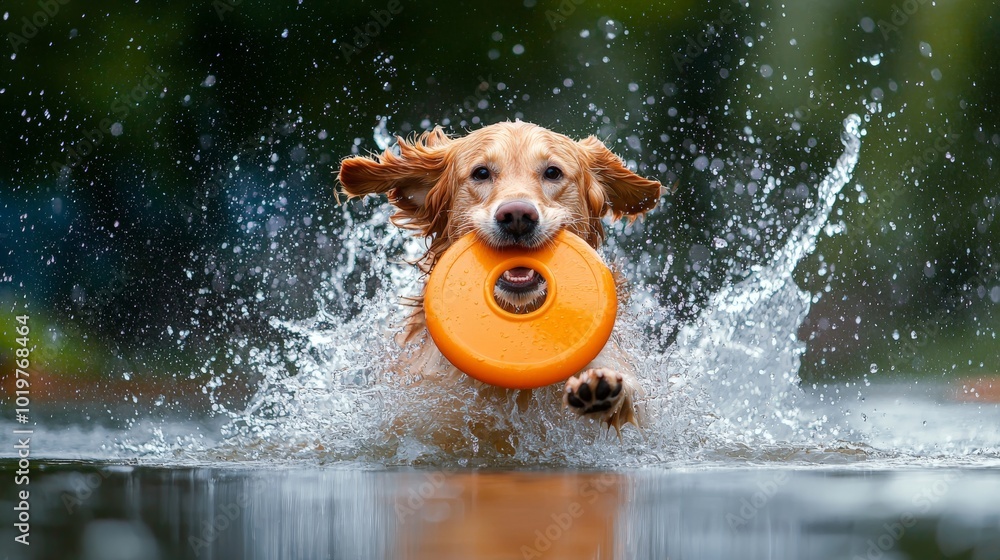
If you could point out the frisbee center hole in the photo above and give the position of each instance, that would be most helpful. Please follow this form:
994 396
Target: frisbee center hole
520 290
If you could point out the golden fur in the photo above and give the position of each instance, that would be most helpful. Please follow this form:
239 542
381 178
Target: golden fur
436 184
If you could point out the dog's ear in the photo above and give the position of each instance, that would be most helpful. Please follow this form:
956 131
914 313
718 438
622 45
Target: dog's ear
615 189
407 179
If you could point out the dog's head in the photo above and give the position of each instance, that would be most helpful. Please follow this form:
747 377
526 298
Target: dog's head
512 183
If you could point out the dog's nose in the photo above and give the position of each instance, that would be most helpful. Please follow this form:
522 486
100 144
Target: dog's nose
517 217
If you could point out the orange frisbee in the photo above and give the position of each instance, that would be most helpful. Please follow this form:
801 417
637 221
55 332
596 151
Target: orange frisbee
520 351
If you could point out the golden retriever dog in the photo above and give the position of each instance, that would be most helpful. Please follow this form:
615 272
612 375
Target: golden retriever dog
514 184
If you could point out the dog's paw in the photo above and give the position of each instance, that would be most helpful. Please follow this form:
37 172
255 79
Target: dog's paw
594 391
604 394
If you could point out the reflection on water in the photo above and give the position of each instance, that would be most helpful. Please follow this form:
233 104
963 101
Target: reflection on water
92 512
509 515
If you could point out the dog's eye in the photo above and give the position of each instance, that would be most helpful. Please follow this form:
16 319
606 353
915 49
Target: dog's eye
553 173
480 173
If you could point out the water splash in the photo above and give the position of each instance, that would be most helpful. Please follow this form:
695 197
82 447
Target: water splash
747 335
730 378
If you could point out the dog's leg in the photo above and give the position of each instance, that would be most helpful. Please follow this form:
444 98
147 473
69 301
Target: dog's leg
607 390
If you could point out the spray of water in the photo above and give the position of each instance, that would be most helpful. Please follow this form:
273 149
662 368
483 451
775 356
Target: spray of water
742 354
729 379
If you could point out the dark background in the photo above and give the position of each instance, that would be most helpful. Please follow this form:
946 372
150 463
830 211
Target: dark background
206 203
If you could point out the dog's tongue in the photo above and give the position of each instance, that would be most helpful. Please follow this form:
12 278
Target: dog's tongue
519 275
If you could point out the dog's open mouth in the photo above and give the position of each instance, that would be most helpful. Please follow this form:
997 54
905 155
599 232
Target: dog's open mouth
520 290
519 280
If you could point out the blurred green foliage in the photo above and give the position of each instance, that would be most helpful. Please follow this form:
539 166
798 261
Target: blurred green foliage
205 205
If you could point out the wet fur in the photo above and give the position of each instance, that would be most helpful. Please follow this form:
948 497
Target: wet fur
430 183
